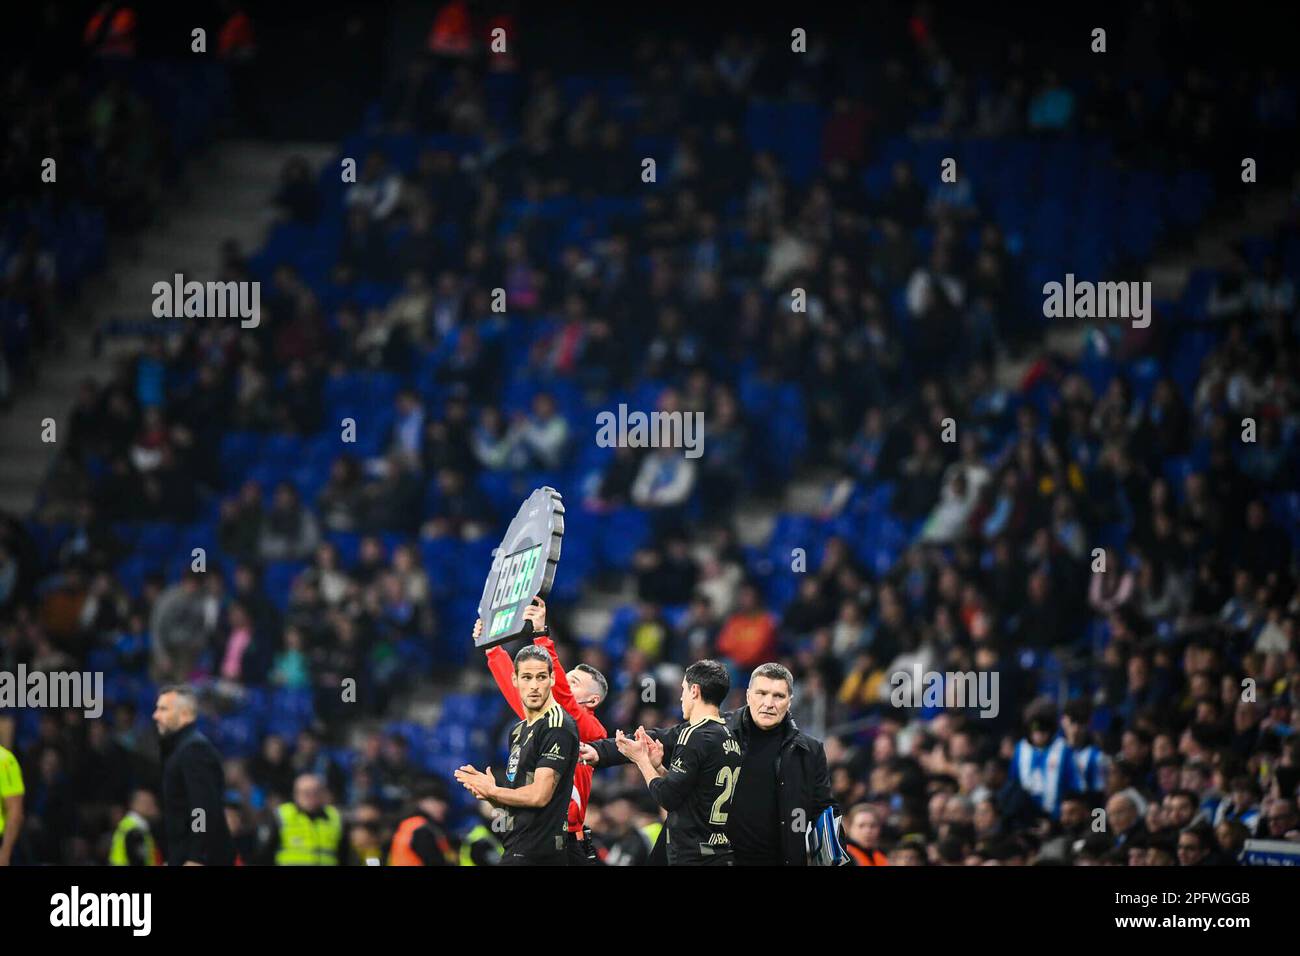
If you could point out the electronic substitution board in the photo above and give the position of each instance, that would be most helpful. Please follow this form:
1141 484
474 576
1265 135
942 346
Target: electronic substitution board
523 568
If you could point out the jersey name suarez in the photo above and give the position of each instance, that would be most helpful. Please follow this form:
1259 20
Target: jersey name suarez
703 766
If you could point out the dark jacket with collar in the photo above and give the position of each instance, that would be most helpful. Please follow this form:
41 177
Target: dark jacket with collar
193 779
803 778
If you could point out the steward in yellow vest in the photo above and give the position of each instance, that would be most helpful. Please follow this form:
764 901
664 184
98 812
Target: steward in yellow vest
480 847
307 831
308 839
11 804
133 843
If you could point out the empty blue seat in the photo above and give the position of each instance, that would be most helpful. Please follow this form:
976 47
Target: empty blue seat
627 530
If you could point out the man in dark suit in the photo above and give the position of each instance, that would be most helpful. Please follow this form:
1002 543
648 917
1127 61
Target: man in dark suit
194 817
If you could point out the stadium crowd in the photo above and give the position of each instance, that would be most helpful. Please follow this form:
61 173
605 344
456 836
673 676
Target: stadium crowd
1100 533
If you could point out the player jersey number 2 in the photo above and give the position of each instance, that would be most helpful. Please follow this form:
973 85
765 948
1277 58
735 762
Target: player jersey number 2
727 778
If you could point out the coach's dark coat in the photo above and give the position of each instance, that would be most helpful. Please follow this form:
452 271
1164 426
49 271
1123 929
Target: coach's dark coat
194 779
803 779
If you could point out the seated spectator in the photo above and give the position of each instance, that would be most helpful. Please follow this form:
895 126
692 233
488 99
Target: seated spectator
331 581
922 474
496 445
377 190
297 195
1110 590
341 500
949 520
462 510
1052 106
290 531
544 435
362 252
291 668
182 619
612 487
245 655
271 769
392 503
411 309
863 827
748 637
665 480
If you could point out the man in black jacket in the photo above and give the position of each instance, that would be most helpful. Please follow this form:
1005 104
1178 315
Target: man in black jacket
193 780
784 782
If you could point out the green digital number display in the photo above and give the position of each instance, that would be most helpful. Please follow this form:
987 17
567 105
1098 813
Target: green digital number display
516 574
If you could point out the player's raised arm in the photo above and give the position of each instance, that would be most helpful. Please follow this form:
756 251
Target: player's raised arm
589 727
502 669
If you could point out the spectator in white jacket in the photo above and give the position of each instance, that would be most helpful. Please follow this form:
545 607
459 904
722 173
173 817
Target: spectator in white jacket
666 479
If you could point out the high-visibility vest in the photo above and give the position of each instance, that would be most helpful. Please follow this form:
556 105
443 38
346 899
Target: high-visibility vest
864 857
479 834
308 841
117 855
652 831
11 781
401 853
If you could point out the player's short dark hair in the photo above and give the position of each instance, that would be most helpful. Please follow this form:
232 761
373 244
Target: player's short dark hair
531 652
597 676
712 680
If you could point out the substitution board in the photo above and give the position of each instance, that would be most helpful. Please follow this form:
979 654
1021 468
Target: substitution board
523 568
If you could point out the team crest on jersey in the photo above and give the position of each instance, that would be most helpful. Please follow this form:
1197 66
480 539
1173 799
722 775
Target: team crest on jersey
513 765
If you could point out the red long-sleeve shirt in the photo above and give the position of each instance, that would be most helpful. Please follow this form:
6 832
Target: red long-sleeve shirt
589 726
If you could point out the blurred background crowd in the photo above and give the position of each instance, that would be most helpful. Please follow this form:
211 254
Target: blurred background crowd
1099 526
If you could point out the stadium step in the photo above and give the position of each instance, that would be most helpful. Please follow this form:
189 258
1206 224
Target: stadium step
225 194
25 456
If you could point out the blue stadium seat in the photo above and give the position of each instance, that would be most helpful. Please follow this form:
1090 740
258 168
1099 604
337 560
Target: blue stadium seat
626 530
